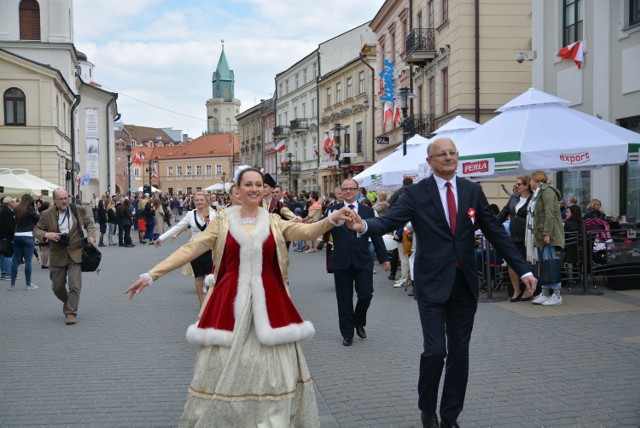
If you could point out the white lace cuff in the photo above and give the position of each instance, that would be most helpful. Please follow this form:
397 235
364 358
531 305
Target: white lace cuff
147 278
337 224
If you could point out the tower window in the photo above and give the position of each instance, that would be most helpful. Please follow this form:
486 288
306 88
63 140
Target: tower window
29 20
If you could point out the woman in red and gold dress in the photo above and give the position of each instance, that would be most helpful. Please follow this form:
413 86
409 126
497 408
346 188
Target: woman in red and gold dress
249 369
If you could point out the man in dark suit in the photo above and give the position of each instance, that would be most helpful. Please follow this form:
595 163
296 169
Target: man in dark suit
353 264
445 211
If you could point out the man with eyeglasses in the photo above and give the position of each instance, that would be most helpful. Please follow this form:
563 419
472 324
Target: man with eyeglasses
353 265
445 211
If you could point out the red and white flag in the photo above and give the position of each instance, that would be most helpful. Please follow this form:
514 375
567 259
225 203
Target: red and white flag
388 114
138 158
574 51
328 144
396 114
154 172
281 146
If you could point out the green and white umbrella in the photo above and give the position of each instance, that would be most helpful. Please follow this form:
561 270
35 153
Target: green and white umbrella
538 131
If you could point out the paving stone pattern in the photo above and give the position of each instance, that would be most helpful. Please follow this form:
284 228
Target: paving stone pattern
127 363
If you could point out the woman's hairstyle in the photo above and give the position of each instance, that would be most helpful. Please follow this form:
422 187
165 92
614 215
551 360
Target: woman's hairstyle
381 194
233 187
525 178
157 203
366 201
21 210
540 177
44 206
245 170
203 194
592 203
576 212
127 203
314 195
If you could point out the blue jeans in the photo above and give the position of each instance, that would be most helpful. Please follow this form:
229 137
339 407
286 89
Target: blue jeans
23 246
5 266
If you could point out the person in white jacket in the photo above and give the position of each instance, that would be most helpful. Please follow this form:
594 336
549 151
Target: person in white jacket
197 221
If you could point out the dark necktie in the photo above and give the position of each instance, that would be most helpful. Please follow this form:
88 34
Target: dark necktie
352 207
451 206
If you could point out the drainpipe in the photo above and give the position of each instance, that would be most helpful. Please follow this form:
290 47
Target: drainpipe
477 59
75 104
371 106
111 101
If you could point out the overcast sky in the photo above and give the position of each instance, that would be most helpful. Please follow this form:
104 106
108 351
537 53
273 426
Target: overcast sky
163 52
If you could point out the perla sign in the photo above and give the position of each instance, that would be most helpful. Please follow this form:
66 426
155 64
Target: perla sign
386 78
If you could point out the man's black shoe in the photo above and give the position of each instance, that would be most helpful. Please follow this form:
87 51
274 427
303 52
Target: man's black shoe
392 277
347 341
361 333
449 424
130 245
429 421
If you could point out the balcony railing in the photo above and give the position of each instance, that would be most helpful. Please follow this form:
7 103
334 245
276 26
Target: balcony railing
281 131
423 125
298 125
293 166
421 46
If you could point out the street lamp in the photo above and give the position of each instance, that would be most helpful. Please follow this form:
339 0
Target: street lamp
128 149
336 135
404 95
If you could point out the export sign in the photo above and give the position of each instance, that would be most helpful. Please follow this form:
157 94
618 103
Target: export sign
575 158
476 167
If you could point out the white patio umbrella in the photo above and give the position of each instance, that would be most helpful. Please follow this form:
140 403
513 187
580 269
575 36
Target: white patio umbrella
537 131
18 181
153 189
388 173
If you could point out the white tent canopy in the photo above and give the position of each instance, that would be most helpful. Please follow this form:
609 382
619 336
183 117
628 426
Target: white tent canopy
219 186
388 173
537 131
18 181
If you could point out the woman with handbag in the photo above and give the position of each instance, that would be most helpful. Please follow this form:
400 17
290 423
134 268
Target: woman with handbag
250 369
23 241
545 237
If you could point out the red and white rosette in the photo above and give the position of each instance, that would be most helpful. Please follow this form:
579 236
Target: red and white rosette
472 215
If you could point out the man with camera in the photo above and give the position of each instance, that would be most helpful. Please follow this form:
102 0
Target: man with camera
59 224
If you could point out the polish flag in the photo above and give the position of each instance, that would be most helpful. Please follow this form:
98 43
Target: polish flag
281 146
388 114
574 51
154 172
396 114
138 158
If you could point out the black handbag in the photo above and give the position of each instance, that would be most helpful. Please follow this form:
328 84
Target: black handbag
6 248
91 256
548 272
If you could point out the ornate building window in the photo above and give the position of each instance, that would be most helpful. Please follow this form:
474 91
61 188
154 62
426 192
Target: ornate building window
573 16
14 107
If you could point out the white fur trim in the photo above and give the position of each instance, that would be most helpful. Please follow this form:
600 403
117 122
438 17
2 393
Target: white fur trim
210 280
250 284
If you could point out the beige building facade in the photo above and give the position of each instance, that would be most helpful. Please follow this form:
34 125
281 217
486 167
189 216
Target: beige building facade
607 86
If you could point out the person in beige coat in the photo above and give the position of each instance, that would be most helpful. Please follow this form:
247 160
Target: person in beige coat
158 229
250 370
60 226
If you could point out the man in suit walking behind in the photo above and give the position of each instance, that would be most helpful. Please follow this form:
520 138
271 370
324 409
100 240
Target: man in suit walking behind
353 264
445 211
60 226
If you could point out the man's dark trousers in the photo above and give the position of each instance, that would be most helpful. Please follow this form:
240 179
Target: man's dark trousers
344 283
459 313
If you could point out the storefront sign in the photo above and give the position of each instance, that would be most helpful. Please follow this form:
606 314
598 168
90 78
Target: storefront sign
356 168
382 140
